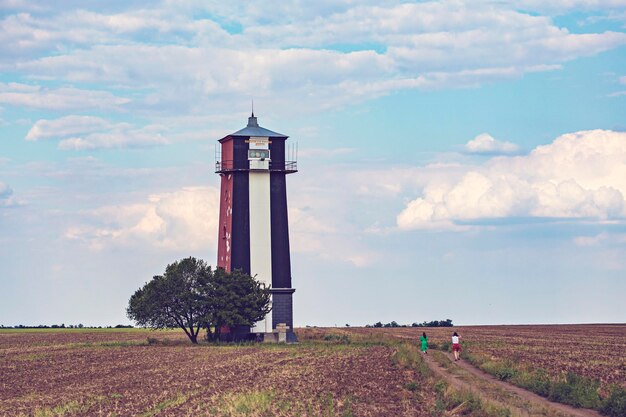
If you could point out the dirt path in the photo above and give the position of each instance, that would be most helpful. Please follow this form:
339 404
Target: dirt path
521 402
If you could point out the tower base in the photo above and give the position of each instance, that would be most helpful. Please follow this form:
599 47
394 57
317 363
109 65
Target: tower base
237 334
274 337
282 307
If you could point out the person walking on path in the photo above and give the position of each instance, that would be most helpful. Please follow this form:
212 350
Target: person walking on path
424 340
456 346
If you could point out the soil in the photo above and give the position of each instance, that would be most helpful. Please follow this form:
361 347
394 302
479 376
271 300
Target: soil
589 350
90 373
530 401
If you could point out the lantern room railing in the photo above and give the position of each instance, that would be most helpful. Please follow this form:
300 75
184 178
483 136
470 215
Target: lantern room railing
287 167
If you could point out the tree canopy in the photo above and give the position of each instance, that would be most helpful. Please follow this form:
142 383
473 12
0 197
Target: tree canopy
192 296
236 299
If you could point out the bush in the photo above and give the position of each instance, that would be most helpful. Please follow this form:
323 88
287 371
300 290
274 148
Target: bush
536 381
615 403
335 338
576 390
504 371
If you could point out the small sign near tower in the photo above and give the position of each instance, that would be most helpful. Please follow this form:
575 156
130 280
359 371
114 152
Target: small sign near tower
253 225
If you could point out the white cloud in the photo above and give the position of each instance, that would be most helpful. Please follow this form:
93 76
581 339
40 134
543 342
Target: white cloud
90 132
317 233
591 240
121 136
601 238
622 80
581 175
6 196
394 181
393 46
180 220
307 231
486 144
64 98
187 219
65 126
566 5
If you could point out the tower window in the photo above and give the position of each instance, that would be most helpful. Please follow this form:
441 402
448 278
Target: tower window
259 154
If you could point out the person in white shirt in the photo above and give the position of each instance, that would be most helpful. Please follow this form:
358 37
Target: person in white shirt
456 346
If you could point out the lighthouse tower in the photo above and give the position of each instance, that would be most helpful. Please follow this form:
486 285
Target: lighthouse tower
253 230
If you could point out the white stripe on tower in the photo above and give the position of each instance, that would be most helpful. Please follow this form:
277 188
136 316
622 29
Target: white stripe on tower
261 236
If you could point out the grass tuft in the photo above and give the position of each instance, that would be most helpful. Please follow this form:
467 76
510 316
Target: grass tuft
575 390
30 357
172 402
72 407
411 386
615 403
60 410
462 402
503 370
407 355
335 338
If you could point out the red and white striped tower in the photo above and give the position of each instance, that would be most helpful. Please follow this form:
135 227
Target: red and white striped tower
253 224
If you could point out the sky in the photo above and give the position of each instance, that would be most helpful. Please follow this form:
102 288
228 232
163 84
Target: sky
457 159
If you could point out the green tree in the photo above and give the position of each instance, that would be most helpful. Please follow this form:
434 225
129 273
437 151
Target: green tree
235 299
174 299
192 296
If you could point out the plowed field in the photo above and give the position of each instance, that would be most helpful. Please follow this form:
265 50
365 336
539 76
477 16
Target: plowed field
100 373
119 373
595 351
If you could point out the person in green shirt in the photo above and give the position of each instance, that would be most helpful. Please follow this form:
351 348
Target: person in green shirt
424 340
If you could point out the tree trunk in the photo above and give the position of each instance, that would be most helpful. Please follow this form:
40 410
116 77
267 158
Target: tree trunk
194 338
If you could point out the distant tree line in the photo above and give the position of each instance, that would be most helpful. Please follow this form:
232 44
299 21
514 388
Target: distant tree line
69 326
434 323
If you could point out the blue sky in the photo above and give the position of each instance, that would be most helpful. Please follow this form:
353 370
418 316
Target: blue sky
462 160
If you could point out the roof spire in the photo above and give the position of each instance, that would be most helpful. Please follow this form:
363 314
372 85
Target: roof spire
252 120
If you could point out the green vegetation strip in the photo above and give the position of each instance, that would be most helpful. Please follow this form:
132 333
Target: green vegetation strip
570 389
449 401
